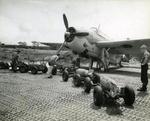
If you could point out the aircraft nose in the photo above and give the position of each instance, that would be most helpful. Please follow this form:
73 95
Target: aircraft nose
69 34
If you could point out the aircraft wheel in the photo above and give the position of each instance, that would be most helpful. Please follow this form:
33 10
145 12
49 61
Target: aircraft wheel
23 69
76 80
87 85
14 68
129 95
98 96
65 75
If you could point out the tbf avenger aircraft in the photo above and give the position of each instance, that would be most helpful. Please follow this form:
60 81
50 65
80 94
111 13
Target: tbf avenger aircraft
94 45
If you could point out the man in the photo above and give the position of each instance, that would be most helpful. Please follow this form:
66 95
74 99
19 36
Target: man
15 56
51 63
15 59
54 59
144 67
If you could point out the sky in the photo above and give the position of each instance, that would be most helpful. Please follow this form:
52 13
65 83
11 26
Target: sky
41 20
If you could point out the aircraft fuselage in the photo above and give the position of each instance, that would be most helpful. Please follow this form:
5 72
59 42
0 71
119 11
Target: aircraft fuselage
87 45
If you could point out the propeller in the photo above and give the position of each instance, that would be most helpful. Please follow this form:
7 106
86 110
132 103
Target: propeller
70 33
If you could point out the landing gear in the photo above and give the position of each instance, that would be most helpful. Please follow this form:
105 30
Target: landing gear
100 65
91 64
105 59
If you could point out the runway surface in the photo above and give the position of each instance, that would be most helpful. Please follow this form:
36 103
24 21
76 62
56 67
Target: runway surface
27 97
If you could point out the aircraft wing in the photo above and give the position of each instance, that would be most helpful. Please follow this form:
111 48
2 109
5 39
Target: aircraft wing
51 44
54 45
125 46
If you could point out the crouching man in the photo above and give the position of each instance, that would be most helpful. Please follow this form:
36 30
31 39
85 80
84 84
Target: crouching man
51 63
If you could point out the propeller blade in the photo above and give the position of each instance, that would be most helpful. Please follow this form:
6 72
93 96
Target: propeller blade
81 34
65 21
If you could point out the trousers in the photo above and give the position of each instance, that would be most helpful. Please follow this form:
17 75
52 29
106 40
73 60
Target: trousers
144 75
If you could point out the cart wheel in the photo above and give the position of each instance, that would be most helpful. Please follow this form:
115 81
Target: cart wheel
129 95
14 68
45 69
6 66
65 75
76 80
23 69
54 70
87 85
34 70
98 96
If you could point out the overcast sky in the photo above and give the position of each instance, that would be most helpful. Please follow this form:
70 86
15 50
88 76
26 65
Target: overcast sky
41 20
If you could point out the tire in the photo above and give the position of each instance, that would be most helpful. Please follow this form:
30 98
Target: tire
129 95
65 75
6 66
23 69
76 80
14 68
54 70
45 69
87 85
34 70
98 96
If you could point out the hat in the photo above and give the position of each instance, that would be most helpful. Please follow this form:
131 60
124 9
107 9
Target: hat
143 47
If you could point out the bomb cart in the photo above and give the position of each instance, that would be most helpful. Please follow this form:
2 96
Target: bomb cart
57 68
74 73
19 66
65 70
4 65
68 72
24 68
78 74
35 68
105 89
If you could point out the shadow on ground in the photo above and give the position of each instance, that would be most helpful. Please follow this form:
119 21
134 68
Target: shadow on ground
111 109
142 94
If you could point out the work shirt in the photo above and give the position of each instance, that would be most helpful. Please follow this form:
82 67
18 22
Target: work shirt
145 58
53 59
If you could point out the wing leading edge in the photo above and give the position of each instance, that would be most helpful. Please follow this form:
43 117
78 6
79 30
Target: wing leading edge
124 47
